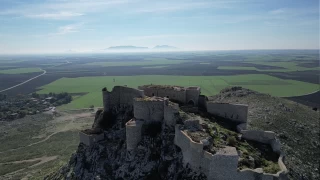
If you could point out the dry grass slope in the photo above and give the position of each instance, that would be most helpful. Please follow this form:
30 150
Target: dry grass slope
297 127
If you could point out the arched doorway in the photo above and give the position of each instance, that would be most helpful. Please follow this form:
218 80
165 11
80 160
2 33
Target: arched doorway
191 103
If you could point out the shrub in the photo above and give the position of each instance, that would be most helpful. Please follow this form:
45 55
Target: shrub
231 140
270 167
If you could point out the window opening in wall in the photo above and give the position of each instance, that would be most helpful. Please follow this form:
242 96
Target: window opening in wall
191 103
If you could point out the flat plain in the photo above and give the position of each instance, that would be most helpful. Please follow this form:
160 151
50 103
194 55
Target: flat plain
38 144
210 85
20 70
279 73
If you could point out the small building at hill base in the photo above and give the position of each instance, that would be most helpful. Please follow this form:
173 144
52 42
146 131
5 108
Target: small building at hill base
91 136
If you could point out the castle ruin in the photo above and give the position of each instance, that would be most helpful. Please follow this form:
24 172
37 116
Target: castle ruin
152 104
184 95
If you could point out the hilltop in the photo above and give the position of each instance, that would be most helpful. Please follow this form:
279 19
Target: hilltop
165 47
138 141
126 48
297 127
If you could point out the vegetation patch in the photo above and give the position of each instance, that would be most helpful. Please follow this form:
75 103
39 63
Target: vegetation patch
20 71
11 167
152 67
210 85
145 62
237 68
252 154
287 65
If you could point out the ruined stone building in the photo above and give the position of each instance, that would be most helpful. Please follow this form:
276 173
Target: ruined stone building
183 95
152 104
120 95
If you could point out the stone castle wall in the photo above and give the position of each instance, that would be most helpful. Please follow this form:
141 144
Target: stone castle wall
89 139
192 94
171 113
148 110
133 133
234 112
171 93
105 98
202 102
214 166
224 164
257 135
178 96
120 95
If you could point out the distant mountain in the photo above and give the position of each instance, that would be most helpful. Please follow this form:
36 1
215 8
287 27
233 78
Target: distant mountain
126 48
164 47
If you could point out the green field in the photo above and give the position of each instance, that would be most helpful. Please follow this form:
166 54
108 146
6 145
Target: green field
5 61
154 67
288 67
210 85
145 62
237 68
20 70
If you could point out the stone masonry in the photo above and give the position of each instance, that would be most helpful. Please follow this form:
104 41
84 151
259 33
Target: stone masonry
234 112
120 95
184 95
90 136
149 108
133 133
156 107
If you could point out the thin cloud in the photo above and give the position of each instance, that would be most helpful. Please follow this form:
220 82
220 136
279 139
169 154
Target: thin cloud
60 9
278 11
173 6
161 36
59 15
71 28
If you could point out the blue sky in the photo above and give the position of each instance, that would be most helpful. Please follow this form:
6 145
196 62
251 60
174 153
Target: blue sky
54 26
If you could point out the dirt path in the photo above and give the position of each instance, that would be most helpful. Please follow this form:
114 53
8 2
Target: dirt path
32 144
68 126
44 72
41 159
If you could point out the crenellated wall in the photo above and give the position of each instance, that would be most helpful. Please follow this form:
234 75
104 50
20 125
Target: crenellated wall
234 112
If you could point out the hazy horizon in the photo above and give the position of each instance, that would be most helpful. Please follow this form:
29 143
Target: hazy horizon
83 26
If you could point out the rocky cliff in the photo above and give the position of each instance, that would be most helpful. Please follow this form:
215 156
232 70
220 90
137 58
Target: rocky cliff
156 156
